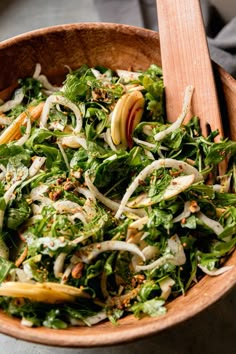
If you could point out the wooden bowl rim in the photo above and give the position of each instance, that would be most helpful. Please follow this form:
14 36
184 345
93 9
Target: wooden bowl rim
130 329
73 26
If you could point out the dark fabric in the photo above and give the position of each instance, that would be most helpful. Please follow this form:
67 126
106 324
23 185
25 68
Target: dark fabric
221 38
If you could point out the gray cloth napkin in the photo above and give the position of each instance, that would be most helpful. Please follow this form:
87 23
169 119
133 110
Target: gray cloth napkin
221 37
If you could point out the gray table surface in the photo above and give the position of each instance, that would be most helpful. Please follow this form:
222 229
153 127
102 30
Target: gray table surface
211 332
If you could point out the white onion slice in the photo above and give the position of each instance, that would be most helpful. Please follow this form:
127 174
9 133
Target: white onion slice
26 323
149 253
138 224
74 142
66 206
78 215
128 75
5 120
59 264
215 272
9 194
177 249
47 85
155 165
212 224
37 71
37 193
66 273
176 257
26 136
43 79
187 99
89 321
18 98
96 73
166 285
108 202
86 193
185 213
36 165
108 139
22 277
145 143
59 99
4 171
168 258
88 253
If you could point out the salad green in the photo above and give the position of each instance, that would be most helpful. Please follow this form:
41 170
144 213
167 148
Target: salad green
105 207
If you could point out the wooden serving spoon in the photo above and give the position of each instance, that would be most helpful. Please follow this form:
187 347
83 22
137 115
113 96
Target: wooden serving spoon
186 61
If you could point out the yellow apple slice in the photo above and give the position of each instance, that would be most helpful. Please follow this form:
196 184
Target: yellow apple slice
134 119
115 120
126 115
41 292
128 105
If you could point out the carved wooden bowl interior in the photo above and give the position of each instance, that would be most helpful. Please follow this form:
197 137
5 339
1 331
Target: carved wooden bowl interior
123 47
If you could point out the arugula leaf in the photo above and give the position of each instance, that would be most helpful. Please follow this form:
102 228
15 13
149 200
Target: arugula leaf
32 88
219 151
17 213
159 217
152 308
53 320
149 290
5 267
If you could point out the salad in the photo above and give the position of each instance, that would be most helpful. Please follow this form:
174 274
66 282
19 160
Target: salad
106 209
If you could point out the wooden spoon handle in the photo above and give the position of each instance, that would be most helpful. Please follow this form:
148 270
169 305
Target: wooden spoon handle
186 61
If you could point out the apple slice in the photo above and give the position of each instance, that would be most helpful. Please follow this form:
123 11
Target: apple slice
126 115
47 292
115 120
133 119
129 103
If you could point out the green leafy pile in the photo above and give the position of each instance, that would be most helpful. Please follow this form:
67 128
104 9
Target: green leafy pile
59 224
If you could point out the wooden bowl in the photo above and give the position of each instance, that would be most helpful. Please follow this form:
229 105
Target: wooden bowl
114 46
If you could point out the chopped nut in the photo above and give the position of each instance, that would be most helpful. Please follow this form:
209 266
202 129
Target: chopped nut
77 270
55 195
193 206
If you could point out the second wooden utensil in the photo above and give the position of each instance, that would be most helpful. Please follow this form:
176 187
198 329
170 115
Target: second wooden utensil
186 61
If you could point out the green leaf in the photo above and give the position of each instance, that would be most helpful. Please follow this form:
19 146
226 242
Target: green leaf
17 213
219 151
152 308
53 320
148 290
32 88
2 204
94 270
14 151
190 223
5 267
159 217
